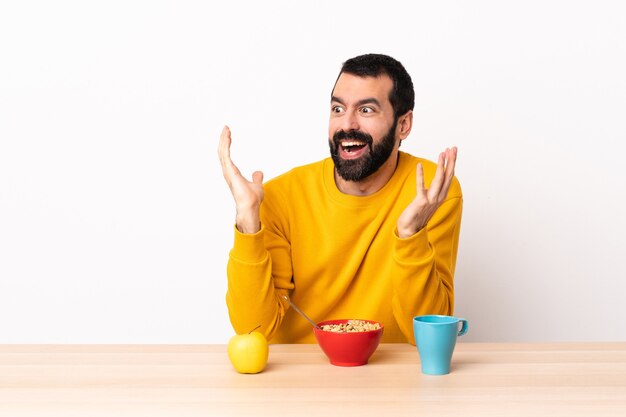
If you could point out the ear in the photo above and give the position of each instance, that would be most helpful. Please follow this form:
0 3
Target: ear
405 123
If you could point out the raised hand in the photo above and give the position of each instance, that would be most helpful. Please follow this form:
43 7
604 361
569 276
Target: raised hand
426 202
248 195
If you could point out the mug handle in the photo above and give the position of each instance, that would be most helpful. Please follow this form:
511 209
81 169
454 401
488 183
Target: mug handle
464 327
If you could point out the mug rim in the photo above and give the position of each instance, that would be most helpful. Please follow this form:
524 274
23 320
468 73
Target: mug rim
452 319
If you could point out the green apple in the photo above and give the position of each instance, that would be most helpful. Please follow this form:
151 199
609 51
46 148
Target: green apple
248 352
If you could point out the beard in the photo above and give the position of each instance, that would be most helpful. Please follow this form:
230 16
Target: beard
364 166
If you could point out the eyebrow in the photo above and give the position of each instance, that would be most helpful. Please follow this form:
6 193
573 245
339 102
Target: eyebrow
369 100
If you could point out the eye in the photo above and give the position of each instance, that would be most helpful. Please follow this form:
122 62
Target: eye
367 110
337 109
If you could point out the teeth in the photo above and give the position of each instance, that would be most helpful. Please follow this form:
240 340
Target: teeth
352 143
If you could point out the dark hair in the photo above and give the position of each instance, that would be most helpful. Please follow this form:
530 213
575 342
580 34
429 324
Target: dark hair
402 95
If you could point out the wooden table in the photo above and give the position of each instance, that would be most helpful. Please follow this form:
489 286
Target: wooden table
582 379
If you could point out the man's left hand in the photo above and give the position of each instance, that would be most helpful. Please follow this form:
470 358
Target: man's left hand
417 214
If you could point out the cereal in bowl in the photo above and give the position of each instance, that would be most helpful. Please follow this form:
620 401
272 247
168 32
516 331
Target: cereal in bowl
351 326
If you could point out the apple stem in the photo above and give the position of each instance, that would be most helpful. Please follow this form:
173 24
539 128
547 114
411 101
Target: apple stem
254 329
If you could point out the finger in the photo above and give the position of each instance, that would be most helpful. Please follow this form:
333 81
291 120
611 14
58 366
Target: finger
419 180
435 185
223 149
451 163
257 177
449 173
228 167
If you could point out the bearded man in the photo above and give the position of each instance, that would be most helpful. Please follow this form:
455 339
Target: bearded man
369 233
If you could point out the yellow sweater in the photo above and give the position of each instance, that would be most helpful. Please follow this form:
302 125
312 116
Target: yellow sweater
338 256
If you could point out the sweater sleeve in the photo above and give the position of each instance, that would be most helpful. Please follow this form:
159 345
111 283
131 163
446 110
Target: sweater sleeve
259 274
423 268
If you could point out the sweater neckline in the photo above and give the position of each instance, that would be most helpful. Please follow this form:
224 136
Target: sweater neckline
356 200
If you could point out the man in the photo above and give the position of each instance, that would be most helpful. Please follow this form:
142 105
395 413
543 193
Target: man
370 233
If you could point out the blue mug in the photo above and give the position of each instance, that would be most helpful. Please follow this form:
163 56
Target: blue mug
435 338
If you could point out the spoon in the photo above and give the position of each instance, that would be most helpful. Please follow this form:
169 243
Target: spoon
301 313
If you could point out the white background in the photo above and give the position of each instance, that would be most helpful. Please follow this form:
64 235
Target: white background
115 222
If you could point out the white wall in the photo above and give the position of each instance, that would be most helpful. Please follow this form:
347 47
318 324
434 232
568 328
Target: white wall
115 223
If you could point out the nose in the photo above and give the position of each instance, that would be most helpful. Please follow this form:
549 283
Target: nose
349 121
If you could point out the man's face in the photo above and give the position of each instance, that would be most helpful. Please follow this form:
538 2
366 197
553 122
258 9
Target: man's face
362 128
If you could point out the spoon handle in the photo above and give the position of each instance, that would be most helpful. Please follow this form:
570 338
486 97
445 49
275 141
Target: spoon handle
301 313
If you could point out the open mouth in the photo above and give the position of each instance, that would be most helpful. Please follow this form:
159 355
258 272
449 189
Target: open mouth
350 148
352 145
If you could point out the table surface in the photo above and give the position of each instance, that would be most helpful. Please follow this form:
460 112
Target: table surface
567 379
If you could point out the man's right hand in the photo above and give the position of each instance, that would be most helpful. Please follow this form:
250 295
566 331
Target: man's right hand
248 195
